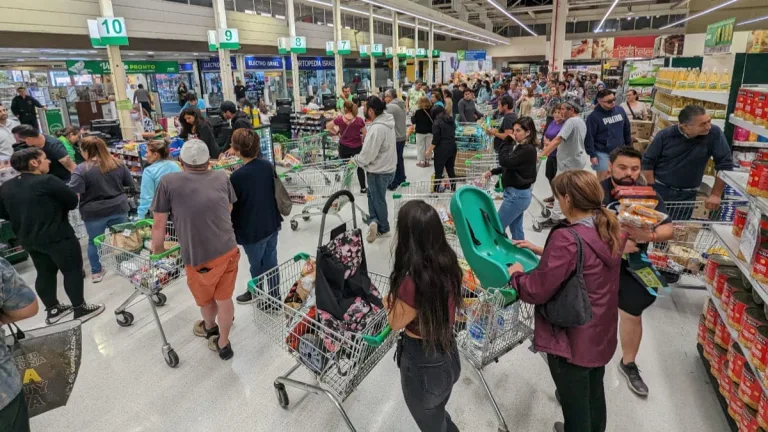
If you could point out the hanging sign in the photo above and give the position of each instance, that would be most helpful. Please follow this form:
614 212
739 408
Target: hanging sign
229 38
212 44
421 52
377 50
329 48
411 53
470 55
435 53
93 32
298 44
365 51
93 67
345 47
719 37
389 52
112 31
402 52
282 45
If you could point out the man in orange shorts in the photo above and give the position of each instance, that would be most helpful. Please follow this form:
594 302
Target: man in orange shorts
200 202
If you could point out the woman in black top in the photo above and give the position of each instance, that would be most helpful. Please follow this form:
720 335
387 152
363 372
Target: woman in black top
181 92
517 157
193 125
443 144
422 124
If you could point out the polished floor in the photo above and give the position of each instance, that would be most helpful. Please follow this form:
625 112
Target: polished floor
124 384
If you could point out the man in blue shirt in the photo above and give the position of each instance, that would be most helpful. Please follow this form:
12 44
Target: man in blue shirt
609 128
675 161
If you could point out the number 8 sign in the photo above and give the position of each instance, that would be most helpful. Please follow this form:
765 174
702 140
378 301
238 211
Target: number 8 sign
229 38
299 44
112 31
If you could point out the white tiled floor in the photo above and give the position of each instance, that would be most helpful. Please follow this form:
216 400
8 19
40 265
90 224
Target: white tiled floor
124 384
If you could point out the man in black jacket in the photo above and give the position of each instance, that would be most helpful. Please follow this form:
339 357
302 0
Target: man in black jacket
457 96
23 107
239 120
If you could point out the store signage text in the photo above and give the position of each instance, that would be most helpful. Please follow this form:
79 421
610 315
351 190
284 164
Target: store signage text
313 63
93 67
470 55
213 64
259 63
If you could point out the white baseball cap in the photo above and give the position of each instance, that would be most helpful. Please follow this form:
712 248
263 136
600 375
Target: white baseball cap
195 152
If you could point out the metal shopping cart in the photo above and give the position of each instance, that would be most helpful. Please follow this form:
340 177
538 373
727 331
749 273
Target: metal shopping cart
307 149
445 185
694 240
309 184
230 164
148 274
338 360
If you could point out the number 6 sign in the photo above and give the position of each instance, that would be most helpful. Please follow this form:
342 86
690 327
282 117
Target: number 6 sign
112 31
229 38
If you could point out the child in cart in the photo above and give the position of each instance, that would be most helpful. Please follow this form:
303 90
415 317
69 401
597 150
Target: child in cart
424 296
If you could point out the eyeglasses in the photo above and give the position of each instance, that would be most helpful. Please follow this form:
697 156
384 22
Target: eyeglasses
609 102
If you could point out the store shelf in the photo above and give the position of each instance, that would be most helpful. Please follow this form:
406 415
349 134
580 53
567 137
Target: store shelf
738 181
750 144
731 244
760 130
712 380
707 96
663 115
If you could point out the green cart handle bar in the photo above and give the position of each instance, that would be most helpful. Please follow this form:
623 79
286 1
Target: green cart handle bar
142 223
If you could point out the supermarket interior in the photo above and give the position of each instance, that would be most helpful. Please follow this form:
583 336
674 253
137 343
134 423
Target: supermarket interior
665 101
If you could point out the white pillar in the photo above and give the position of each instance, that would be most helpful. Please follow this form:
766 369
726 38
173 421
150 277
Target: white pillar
225 66
559 17
416 74
430 69
117 75
374 87
294 58
338 59
240 62
395 58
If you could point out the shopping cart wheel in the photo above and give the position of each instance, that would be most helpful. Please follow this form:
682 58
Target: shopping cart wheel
171 358
546 213
305 211
536 226
294 225
159 299
124 319
282 395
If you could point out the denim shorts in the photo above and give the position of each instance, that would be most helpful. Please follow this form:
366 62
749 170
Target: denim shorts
602 161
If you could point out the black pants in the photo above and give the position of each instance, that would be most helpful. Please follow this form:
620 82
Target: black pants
445 159
30 120
147 106
427 379
400 172
346 153
64 256
550 170
582 396
15 417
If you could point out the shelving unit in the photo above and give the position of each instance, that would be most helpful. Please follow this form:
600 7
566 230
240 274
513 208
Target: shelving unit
664 116
736 121
706 96
751 144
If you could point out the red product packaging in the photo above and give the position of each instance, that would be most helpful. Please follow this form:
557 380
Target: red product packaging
758 354
759 107
749 388
738 110
633 191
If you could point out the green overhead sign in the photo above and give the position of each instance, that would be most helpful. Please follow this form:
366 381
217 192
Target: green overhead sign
95 67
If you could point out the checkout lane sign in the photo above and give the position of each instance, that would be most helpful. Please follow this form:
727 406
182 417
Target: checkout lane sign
112 31
229 38
93 33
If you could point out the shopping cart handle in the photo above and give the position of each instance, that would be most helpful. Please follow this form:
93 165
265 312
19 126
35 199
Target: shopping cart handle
510 295
301 256
335 196
405 184
379 339
397 196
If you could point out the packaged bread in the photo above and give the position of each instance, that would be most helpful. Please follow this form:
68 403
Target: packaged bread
636 219
650 203
658 216
633 192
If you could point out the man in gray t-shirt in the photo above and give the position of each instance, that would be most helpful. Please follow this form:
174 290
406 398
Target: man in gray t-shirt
200 202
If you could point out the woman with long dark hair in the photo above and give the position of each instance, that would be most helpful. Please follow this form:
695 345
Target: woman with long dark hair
577 355
351 131
70 137
424 297
443 144
436 98
100 181
193 125
181 93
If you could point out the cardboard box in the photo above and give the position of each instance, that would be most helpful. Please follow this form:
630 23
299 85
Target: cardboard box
641 144
641 128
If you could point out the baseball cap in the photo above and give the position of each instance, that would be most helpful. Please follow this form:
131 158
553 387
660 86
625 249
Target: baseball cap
575 103
195 152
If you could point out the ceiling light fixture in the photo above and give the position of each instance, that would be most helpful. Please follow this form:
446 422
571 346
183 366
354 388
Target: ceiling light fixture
722 5
504 11
753 20
264 14
280 17
602 21
150 52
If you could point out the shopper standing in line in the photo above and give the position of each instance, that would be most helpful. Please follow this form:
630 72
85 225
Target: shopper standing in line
142 97
436 98
201 201
255 217
577 355
101 182
422 125
448 100
413 97
444 146
70 137
61 165
457 96
426 280
379 160
159 165
346 95
17 302
517 166
634 108
7 140
467 110
194 126
38 206
396 107
526 102
239 90
608 125
550 132
24 107
507 111
351 131
181 93
238 120
194 102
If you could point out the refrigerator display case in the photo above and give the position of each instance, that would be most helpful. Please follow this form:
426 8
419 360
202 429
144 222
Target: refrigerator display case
267 147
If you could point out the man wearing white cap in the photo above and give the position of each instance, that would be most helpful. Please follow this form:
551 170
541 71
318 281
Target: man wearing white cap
201 201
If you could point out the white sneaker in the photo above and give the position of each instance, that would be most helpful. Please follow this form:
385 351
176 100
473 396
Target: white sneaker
98 277
373 232
383 235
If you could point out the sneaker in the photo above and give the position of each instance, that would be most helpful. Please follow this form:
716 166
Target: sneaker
225 353
549 200
634 380
97 277
548 223
363 190
559 427
383 235
199 330
245 298
373 231
87 311
56 313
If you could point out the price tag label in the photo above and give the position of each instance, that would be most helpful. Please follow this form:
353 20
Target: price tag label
750 234
329 48
212 40
127 233
112 31
299 44
344 47
377 50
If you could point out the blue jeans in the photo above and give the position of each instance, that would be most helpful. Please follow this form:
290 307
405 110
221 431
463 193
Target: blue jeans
676 211
515 202
400 173
95 228
262 257
377 199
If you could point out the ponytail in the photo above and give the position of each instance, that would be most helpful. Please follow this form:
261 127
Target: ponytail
608 229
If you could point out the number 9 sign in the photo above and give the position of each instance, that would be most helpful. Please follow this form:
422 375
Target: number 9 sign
229 38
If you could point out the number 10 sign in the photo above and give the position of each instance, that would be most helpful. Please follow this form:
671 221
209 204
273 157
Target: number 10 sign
112 31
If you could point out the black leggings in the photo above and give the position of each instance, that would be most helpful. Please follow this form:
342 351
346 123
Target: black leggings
346 153
582 396
66 257
445 160
551 168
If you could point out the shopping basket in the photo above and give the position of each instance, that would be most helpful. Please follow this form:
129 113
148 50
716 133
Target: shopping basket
338 360
309 185
148 273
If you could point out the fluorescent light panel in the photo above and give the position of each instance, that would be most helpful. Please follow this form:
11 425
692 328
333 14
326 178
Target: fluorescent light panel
504 11
753 20
602 21
722 5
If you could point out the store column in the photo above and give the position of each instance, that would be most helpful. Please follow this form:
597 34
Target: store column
416 74
431 38
117 76
339 62
395 58
225 65
294 58
374 87
557 46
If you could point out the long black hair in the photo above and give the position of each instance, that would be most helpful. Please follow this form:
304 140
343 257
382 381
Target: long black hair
526 123
423 254
186 127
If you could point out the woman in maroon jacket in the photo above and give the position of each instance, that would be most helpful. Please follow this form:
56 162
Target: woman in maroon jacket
577 355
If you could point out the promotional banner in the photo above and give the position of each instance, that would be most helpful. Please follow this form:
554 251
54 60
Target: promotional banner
581 49
757 42
257 63
633 46
642 73
669 45
454 64
313 63
602 48
719 37
471 55
213 65
96 67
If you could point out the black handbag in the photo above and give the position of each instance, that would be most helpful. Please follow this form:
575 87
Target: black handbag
570 306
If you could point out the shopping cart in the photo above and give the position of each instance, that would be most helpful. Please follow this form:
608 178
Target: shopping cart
481 163
687 252
339 361
148 274
77 224
487 327
309 184
230 164
307 149
446 185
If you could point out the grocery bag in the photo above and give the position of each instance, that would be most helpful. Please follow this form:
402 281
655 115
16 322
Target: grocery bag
48 360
